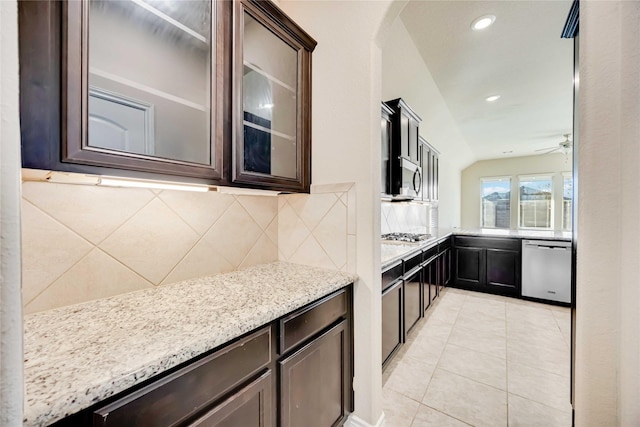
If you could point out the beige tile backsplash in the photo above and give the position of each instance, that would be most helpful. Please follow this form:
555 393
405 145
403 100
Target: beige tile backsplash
83 242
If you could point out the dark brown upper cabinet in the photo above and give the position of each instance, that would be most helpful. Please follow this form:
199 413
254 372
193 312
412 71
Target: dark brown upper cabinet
271 99
136 85
204 90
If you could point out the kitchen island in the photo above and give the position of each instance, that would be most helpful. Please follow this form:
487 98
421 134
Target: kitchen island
79 355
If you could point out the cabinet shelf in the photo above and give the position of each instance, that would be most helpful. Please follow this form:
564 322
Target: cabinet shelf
146 6
270 131
269 76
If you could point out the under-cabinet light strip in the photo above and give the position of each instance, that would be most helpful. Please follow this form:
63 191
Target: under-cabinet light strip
110 181
144 88
170 20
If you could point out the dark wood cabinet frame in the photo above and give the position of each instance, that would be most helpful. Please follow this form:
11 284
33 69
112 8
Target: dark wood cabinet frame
271 17
54 97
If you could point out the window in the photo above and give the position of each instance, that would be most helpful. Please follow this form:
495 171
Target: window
496 203
536 202
567 202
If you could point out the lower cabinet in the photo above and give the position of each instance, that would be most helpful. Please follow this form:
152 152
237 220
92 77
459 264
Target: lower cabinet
391 321
412 299
487 265
429 281
296 371
249 407
410 287
314 381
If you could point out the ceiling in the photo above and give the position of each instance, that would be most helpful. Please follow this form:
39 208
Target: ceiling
521 57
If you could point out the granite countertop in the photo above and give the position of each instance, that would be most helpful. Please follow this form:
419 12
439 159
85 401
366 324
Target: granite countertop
78 355
390 253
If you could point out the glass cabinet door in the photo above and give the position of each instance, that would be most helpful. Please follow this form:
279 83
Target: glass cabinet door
272 98
137 85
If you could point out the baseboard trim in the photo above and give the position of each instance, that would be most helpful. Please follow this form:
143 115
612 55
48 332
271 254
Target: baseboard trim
355 421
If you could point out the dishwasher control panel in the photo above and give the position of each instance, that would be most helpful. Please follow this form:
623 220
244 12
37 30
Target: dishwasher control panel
546 270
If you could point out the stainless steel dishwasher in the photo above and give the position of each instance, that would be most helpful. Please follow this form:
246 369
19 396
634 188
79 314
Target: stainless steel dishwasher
546 270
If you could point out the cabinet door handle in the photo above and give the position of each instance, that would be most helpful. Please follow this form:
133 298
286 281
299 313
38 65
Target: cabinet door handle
419 175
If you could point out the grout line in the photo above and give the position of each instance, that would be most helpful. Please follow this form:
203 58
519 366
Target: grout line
71 266
448 415
200 238
127 219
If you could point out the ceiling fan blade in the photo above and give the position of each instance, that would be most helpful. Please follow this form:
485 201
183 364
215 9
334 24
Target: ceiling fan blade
548 151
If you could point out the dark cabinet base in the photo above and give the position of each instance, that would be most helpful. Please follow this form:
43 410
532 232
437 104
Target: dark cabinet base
295 371
489 265
313 382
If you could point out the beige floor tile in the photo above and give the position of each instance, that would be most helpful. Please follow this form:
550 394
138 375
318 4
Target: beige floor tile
435 328
536 336
526 413
428 417
485 306
467 400
539 356
410 377
483 345
531 317
540 386
399 410
428 350
477 366
482 322
479 340
445 314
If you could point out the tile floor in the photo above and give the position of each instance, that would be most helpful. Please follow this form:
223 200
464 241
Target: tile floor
482 360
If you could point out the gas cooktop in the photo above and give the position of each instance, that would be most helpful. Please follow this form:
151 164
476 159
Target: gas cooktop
405 237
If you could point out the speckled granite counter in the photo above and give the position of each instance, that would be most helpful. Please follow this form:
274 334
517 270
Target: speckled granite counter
78 355
392 252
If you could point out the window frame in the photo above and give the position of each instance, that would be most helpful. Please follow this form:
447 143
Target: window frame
550 176
483 179
567 175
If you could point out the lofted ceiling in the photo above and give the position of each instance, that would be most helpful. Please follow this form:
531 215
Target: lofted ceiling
521 57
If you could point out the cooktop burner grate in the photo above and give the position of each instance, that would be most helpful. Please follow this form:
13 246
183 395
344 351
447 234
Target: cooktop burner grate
406 237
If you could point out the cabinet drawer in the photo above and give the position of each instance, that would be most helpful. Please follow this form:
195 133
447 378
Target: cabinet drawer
430 253
444 245
484 242
391 274
249 407
306 322
185 392
413 262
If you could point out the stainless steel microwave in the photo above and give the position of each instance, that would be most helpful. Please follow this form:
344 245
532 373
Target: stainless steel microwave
409 181
401 168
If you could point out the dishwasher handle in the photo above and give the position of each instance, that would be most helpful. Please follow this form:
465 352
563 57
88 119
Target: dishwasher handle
533 244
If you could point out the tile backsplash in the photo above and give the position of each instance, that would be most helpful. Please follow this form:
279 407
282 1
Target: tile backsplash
406 217
82 242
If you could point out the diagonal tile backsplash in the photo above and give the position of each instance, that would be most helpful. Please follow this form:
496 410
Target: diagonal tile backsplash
82 242
314 228
404 217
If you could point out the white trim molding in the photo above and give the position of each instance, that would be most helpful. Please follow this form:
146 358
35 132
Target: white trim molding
355 421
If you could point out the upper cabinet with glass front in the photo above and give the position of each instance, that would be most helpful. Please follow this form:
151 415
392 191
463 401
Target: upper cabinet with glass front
143 88
134 85
272 98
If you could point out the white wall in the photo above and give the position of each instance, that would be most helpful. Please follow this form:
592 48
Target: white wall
346 148
11 377
405 75
551 164
608 273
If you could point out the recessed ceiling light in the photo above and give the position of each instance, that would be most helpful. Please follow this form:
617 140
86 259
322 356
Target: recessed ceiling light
492 98
482 22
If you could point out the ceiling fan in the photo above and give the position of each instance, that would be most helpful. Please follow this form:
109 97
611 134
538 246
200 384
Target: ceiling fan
565 146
